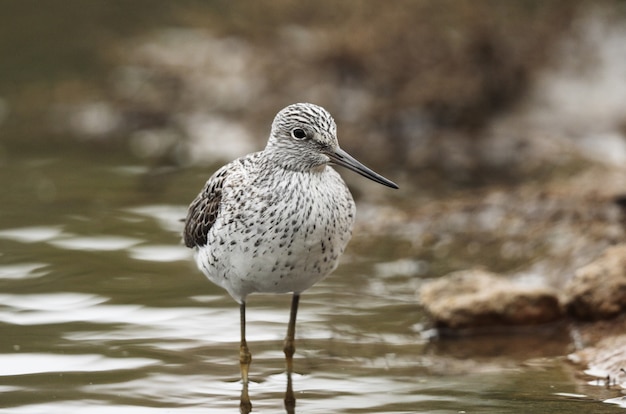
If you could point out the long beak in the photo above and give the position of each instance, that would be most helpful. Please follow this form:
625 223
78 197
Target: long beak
340 157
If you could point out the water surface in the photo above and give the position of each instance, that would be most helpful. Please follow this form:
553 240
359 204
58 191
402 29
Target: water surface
102 310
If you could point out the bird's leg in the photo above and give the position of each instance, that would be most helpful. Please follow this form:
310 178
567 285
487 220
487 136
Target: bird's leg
245 358
289 349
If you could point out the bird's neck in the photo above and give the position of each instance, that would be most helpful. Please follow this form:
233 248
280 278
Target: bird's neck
293 160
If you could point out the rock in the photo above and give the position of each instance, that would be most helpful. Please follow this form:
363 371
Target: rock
476 298
602 350
598 290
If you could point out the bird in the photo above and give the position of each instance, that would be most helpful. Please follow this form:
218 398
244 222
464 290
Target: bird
277 220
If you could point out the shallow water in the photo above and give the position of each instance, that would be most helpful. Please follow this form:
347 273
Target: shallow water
102 310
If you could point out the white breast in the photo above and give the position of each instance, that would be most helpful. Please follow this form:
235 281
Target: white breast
284 237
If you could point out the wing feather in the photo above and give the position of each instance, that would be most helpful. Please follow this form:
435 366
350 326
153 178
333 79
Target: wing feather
204 209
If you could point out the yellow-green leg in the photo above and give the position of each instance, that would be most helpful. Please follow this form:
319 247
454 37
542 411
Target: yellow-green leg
245 358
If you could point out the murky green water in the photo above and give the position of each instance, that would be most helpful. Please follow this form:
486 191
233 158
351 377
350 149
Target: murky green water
101 310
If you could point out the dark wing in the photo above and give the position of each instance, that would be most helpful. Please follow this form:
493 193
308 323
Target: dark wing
203 210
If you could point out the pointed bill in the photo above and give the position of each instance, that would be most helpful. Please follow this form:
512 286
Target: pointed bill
340 157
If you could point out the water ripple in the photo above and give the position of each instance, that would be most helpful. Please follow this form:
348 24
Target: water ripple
50 302
31 363
160 253
31 234
22 271
169 217
97 407
96 243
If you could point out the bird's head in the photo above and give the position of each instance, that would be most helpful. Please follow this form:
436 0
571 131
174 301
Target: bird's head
304 138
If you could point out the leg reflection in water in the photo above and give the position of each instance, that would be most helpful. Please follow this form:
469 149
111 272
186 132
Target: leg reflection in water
290 399
245 405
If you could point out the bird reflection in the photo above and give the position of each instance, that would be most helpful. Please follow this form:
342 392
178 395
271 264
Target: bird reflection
245 405
290 399
289 348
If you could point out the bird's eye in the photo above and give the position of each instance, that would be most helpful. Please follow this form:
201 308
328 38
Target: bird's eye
298 133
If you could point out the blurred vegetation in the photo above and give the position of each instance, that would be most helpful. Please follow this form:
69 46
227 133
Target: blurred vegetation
459 62
427 70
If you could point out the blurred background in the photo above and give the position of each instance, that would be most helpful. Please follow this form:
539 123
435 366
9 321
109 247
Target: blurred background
421 89
502 122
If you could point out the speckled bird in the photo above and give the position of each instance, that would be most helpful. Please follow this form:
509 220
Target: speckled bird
277 221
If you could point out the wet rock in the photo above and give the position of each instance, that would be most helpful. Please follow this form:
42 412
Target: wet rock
476 298
598 290
602 350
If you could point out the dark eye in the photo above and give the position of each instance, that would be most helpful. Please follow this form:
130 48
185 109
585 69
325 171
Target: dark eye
298 133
